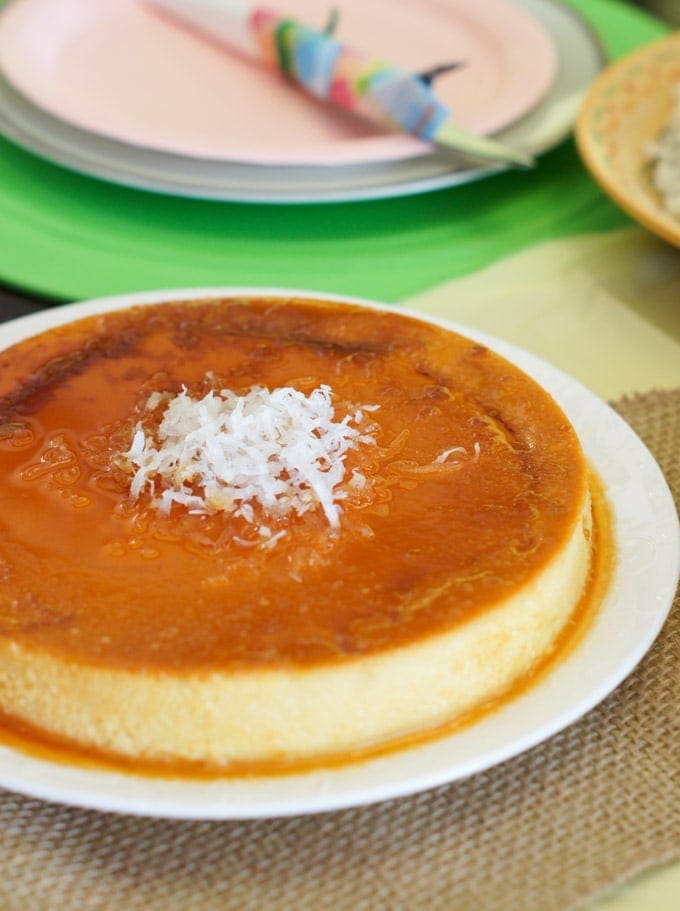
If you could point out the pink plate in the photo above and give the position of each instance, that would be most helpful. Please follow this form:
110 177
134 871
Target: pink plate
117 68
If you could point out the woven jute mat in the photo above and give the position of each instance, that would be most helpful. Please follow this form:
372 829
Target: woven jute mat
543 832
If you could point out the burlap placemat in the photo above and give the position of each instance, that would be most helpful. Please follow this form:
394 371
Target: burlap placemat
542 832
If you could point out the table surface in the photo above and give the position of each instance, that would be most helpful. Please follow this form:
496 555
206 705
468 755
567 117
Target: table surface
603 307
15 303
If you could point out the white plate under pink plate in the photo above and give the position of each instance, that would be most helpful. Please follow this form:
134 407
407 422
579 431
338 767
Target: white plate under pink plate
647 541
119 69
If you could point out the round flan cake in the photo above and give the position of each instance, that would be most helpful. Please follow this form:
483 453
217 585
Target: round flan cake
232 610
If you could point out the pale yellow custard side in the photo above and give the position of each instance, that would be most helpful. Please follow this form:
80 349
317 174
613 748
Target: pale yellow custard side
298 713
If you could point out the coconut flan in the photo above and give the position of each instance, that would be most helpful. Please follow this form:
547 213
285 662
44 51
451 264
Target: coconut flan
241 532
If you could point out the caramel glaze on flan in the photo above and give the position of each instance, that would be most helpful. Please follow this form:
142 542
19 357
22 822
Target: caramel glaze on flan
161 639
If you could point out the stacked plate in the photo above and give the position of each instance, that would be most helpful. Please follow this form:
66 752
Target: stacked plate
112 89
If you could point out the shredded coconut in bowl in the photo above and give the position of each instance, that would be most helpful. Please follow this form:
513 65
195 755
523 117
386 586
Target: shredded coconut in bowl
665 153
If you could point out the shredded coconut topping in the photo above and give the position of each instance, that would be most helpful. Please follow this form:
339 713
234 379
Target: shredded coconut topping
280 450
443 457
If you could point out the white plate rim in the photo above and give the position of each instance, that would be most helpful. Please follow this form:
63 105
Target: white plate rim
642 590
540 130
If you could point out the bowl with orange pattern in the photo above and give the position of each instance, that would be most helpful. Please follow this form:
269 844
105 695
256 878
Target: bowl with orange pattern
629 122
